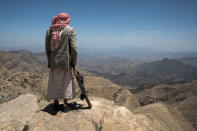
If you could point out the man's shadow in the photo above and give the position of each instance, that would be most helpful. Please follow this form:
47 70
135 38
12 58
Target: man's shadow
73 106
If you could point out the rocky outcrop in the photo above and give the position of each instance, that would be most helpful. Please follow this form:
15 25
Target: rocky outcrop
15 113
124 97
162 117
188 108
105 115
104 88
171 94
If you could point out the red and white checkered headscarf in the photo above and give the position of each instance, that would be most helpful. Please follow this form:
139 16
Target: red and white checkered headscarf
58 23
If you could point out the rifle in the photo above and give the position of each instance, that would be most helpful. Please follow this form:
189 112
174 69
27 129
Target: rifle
80 81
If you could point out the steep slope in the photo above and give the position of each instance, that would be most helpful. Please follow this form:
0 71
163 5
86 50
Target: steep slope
17 83
19 62
166 71
101 87
188 108
171 94
163 117
181 96
192 61
167 68
147 75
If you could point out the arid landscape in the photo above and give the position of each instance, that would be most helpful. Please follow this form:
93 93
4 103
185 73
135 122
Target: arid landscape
137 61
140 86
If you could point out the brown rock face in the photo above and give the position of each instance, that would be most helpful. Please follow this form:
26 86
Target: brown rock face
104 88
124 97
104 115
17 83
163 117
188 108
15 113
12 126
171 94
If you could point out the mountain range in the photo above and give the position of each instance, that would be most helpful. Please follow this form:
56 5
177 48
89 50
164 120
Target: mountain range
172 81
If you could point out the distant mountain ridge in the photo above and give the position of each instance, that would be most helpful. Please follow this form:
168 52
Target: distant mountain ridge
128 52
166 71
135 74
170 67
20 62
40 57
189 61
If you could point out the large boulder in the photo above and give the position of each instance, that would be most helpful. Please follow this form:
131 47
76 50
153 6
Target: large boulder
15 114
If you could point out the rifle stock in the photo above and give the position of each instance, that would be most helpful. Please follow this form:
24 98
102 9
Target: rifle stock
88 102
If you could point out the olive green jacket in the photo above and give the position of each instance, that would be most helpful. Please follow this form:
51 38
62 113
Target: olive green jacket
65 56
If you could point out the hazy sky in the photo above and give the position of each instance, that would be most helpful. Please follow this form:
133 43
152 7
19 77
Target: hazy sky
158 24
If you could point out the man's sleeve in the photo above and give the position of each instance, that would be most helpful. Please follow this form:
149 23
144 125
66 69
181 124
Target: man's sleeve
73 47
47 47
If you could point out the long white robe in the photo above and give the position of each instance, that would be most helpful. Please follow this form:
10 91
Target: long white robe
61 84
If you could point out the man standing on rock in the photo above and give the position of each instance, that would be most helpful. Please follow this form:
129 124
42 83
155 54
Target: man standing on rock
61 51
